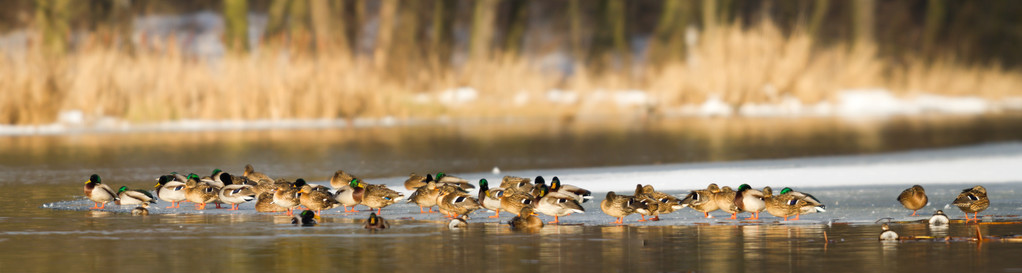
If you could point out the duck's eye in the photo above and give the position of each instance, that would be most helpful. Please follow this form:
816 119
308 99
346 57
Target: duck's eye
792 202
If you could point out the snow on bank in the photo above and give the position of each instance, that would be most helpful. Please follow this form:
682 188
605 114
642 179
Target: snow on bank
991 163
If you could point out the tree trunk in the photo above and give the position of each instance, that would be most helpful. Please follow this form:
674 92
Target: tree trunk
328 26
515 33
862 21
52 17
236 31
442 35
819 13
669 37
482 30
385 32
935 12
277 18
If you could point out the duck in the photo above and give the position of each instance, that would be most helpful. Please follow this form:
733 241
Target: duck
416 181
490 198
652 205
913 198
816 205
725 199
556 204
516 184
317 199
458 223
667 203
229 179
142 210
350 195
750 200
619 206
379 196
526 220
582 195
702 200
375 222
134 197
425 196
887 234
537 182
455 203
513 202
443 178
787 204
264 203
200 193
939 219
341 179
287 196
236 194
98 192
168 188
264 185
972 200
306 218
253 175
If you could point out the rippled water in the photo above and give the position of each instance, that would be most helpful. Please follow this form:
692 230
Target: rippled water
50 169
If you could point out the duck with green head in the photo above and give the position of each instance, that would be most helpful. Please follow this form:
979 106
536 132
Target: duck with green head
306 218
171 190
581 195
350 195
98 192
489 198
375 222
750 200
134 197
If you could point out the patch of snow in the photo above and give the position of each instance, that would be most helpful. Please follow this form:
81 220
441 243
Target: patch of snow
71 117
562 96
631 98
458 95
714 106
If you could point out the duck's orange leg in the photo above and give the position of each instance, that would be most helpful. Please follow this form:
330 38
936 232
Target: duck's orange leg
706 214
377 210
497 214
643 219
556 220
796 216
734 216
172 204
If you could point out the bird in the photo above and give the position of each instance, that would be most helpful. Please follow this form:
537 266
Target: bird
619 206
317 199
787 204
236 194
972 200
913 198
537 182
287 196
513 202
526 220
652 205
556 204
306 218
458 223
725 199
939 219
887 234
375 222
667 203
142 210
379 196
456 202
490 198
264 203
749 200
199 192
134 197
516 184
702 200
817 206
253 175
425 196
349 195
415 181
98 192
443 178
583 194
170 189
341 179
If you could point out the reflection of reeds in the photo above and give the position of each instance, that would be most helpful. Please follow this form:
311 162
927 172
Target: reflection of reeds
755 65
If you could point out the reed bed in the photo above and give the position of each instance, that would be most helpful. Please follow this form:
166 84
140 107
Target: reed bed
759 64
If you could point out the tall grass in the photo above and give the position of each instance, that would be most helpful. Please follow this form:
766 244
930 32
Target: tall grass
759 64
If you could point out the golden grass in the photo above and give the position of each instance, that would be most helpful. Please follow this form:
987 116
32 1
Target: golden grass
755 65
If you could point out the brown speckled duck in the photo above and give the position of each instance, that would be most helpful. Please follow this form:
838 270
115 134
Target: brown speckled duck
526 220
200 193
788 204
416 181
726 201
619 206
702 200
253 175
667 203
425 196
317 199
455 203
379 196
341 179
972 200
913 198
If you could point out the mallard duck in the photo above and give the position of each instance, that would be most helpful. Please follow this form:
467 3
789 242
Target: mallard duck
235 194
341 179
537 183
652 205
816 205
229 179
379 196
200 193
350 195
526 220
667 203
169 189
425 197
416 181
98 192
913 198
556 204
375 222
490 198
725 199
134 197
513 202
619 206
142 210
253 175
939 219
264 203
287 196
702 200
887 234
750 200
306 218
972 200
458 223
457 203
516 184
317 200
787 204
582 195
444 178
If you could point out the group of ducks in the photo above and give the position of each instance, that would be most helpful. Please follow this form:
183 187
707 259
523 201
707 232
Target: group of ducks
972 200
